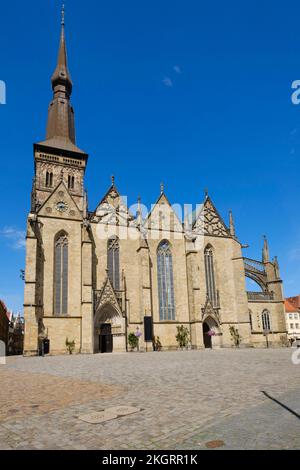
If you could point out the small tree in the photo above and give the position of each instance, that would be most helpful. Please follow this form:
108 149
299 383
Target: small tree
156 343
235 336
70 345
183 336
133 341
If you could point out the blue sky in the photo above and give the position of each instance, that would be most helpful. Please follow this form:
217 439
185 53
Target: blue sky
194 93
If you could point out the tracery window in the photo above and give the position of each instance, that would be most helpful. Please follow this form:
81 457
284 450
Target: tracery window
61 275
266 323
210 275
113 261
165 282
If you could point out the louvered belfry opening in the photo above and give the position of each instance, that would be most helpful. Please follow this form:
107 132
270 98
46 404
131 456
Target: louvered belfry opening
113 261
61 275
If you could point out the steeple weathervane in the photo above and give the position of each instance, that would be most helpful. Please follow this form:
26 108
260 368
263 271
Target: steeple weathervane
63 14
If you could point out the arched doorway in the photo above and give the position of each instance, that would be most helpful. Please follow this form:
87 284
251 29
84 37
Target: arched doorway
212 335
105 338
206 336
109 330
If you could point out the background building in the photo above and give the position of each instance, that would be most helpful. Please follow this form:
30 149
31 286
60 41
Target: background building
292 312
4 323
16 335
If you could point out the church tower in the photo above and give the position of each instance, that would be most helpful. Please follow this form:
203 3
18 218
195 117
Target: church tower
58 158
58 277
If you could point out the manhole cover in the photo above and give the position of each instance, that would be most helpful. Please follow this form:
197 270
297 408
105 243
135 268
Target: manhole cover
97 417
109 414
122 410
214 444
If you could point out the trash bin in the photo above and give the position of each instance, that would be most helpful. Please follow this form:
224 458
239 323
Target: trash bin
46 346
298 342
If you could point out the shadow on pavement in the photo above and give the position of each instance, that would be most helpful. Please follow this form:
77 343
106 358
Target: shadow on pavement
281 404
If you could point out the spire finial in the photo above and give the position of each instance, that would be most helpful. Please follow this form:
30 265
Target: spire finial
231 224
162 188
265 255
112 180
206 192
63 14
139 211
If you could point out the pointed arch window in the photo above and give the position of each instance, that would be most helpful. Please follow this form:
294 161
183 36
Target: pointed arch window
210 275
49 179
165 282
71 182
113 261
250 320
266 321
61 275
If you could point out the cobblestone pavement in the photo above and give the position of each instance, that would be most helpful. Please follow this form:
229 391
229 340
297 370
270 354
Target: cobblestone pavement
187 398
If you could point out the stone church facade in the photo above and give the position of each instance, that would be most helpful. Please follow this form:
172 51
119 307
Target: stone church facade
92 276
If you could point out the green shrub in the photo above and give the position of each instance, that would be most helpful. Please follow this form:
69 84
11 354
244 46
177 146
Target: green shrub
235 336
183 336
70 345
133 340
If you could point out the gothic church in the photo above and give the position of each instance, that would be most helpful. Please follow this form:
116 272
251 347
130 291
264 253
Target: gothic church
88 282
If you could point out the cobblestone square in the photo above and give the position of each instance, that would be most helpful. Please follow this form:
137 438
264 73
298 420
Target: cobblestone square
243 399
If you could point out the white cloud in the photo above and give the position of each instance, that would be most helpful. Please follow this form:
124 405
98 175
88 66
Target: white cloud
16 237
177 69
167 82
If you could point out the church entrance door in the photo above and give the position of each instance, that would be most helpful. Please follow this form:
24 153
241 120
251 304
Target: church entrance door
206 337
105 338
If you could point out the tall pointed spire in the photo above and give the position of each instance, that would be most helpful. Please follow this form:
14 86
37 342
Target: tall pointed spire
265 253
61 124
231 224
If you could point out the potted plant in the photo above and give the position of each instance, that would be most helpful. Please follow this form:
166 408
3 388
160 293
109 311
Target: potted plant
133 341
157 344
70 345
235 336
182 337
138 334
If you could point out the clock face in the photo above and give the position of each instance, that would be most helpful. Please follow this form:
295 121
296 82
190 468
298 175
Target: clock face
61 206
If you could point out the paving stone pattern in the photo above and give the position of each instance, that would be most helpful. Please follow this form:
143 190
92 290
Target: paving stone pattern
188 400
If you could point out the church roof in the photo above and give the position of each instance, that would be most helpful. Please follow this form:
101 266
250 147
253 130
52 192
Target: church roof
61 143
289 306
294 301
